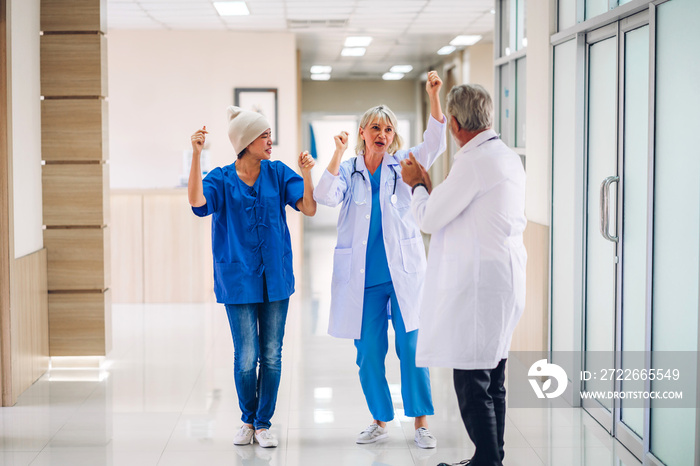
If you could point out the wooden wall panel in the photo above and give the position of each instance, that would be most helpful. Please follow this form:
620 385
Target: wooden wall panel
77 258
80 323
5 222
74 129
177 250
29 320
127 248
73 15
73 65
75 194
532 331
75 177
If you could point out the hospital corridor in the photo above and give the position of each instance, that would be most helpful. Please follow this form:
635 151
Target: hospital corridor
166 397
504 193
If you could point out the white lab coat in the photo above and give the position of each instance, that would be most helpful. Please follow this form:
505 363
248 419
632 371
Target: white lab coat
475 283
403 242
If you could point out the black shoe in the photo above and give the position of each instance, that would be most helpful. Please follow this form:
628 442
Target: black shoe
461 463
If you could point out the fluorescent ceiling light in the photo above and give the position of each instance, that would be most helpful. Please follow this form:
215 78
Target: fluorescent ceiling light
322 69
401 69
353 51
446 50
465 40
231 8
358 41
392 76
320 76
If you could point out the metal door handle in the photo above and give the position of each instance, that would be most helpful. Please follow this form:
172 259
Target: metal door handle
605 207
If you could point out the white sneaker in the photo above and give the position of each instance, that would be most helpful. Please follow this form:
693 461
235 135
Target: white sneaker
372 434
424 439
244 436
266 439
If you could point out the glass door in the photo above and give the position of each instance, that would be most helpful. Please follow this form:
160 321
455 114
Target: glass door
633 218
617 222
600 227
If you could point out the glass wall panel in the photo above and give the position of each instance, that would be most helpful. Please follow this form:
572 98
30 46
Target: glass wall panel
602 163
520 93
505 28
521 27
595 8
567 14
505 105
566 174
635 179
676 214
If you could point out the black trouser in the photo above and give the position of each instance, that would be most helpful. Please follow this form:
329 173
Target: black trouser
482 403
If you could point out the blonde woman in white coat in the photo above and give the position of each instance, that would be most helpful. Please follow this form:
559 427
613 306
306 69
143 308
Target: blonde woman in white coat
379 260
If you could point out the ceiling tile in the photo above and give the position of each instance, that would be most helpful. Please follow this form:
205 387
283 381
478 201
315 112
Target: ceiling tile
409 31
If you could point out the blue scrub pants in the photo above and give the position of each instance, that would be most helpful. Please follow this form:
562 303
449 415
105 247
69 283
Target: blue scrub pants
372 348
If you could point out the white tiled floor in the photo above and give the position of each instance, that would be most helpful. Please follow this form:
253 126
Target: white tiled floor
168 398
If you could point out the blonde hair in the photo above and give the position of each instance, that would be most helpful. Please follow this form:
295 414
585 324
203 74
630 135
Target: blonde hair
383 114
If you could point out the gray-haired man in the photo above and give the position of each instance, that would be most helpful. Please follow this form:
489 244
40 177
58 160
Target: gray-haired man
474 290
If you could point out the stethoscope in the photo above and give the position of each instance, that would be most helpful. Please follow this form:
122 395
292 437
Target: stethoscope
394 198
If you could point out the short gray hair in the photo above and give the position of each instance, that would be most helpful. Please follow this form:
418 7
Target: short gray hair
471 105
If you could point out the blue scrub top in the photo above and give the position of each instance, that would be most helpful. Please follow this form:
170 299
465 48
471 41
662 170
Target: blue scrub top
376 264
249 232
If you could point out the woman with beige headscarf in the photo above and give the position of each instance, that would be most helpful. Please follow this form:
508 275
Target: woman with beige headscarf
252 252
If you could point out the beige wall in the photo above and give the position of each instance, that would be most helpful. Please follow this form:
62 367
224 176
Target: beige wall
25 124
163 85
538 133
354 97
478 65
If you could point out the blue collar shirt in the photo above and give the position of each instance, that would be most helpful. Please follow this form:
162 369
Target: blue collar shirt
249 232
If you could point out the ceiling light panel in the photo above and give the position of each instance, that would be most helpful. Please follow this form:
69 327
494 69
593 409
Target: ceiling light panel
353 51
465 40
446 50
236 8
321 69
401 69
392 76
321 77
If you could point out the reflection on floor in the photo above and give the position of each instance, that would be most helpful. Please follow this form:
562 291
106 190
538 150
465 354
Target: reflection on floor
166 397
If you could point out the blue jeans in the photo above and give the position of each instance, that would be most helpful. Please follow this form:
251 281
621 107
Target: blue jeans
372 348
257 330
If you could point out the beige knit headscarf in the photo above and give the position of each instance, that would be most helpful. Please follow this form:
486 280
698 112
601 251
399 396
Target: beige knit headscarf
244 127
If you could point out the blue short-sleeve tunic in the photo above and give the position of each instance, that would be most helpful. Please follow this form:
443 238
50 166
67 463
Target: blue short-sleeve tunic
249 232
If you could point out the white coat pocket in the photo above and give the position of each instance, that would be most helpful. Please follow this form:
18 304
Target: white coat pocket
342 264
413 254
